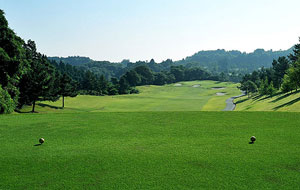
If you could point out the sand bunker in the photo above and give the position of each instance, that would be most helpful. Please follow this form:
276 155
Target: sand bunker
218 88
196 86
178 84
220 94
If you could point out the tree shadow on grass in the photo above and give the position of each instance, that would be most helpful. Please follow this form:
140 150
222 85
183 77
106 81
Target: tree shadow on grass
19 111
37 145
284 96
257 97
49 106
267 97
241 101
287 104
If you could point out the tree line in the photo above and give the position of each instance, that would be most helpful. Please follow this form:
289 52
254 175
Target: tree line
90 83
284 76
234 64
234 61
27 76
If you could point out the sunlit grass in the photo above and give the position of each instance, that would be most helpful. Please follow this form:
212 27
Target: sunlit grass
151 98
279 102
150 150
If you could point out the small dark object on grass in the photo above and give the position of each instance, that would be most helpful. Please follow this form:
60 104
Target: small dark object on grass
42 140
253 139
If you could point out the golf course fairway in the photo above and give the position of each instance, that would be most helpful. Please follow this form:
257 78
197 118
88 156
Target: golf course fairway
182 96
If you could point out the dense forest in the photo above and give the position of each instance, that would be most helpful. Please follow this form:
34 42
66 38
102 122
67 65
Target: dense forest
216 61
233 61
283 76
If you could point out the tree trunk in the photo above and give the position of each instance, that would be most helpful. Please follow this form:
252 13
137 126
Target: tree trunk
63 101
248 93
33 106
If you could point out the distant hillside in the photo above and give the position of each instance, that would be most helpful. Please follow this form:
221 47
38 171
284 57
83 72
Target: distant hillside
228 61
72 60
215 61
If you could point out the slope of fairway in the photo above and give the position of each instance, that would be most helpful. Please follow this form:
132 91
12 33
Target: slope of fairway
280 102
150 150
183 96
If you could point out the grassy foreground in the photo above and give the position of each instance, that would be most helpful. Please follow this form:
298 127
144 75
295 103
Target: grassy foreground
280 102
190 96
150 150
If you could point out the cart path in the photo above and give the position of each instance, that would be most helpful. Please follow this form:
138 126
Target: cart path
230 106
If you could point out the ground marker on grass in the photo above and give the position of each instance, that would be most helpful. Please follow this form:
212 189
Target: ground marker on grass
42 140
253 139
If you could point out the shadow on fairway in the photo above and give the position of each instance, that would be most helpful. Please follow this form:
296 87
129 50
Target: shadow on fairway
18 111
49 106
251 142
241 101
257 97
37 145
284 96
287 104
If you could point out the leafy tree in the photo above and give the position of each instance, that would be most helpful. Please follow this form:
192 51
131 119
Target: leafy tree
271 90
249 87
112 89
288 85
160 78
67 88
146 74
38 82
294 74
170 78
280 67
296 53
133 78
103 85
89 81
12 58
114 81
263 87
178 72
7 105
124 87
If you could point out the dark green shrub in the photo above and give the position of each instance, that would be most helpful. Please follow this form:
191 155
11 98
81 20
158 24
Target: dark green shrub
7 104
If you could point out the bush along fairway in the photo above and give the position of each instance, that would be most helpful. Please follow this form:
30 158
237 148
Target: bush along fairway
150 150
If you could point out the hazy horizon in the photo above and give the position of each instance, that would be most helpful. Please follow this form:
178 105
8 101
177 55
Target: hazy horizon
167 58
139 30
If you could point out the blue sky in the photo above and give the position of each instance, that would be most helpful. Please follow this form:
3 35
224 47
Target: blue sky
140 30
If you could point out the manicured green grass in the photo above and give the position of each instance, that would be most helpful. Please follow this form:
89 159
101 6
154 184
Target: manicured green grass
150 150
151 98
281 102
